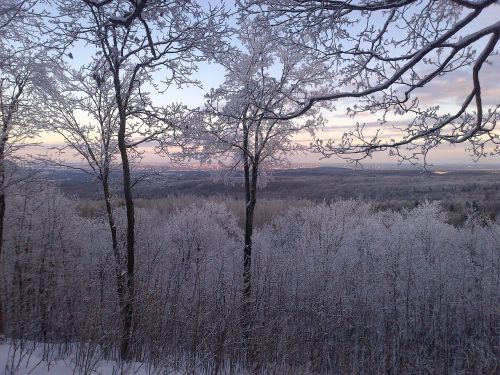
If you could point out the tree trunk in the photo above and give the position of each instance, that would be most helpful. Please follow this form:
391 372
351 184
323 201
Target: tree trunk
128 310
114 240
2 219
129 204
247 262
7 121
250 200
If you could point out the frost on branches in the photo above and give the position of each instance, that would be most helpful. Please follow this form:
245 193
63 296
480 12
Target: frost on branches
133 43
234 127
389 57
337 288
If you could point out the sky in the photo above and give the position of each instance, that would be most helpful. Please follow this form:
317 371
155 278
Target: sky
447 93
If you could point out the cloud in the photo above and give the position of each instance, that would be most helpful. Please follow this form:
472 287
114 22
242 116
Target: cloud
453 88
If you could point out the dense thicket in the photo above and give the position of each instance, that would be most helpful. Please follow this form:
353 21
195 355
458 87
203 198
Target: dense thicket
338 288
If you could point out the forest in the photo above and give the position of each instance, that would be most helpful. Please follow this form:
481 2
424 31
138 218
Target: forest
248 265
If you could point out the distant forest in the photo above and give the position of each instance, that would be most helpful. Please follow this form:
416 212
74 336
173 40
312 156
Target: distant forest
457 191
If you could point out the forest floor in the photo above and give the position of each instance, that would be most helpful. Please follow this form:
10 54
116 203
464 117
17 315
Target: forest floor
43 359
37 362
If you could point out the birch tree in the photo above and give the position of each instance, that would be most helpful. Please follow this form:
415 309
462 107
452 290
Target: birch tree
136 42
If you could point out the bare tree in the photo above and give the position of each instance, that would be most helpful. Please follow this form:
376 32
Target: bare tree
371 291
84 112
24 66
135 40
12 13
262 78
387 55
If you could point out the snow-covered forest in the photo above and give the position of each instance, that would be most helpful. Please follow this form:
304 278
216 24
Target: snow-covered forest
338 287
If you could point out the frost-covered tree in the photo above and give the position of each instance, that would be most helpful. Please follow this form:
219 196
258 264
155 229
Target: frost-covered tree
16 13
83 111
25 63
356 288
262 77
339 288
52 268
393 59
142 45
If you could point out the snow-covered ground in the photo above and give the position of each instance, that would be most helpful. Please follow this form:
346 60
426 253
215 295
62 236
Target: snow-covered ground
41 360
53 359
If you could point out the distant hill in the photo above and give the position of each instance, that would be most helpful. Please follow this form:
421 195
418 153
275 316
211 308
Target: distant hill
394 189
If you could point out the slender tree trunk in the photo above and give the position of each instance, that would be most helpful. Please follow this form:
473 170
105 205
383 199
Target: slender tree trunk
2 219
129 205
114 240
7 121
250 200
128 307
129 300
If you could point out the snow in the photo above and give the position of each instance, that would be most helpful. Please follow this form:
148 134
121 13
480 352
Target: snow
46 359
118 19
34 361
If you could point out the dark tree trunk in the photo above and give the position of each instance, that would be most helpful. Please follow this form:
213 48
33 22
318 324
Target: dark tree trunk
114 241
250 201
128 308
2 219
7 120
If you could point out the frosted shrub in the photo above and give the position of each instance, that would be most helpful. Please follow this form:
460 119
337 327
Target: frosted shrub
338 288
349 289
55 265
188 270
